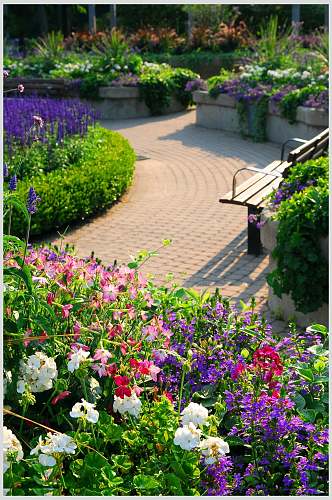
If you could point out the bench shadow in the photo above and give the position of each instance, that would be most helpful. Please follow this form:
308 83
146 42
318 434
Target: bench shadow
231 266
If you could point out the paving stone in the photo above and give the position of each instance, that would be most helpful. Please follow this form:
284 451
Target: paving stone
175 195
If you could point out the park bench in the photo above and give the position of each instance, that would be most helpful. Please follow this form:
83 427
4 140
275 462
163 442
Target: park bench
252 193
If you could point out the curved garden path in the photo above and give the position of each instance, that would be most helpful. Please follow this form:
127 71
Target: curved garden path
175 195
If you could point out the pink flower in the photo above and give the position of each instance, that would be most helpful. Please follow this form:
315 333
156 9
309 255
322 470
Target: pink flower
154 370
77 330
103 355
20 88
66 309
60 396
27 334
100 369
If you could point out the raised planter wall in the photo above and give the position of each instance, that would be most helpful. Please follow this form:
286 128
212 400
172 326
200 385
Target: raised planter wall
118 103
220 113
284 307
115 103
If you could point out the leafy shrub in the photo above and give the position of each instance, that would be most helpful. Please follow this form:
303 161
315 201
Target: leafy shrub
157 40
290 102
302 271
51 46
157 84
74 192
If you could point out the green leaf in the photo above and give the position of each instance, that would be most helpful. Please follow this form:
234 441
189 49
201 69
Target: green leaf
143 482
299 401
174 483
23 274
306 373
309 415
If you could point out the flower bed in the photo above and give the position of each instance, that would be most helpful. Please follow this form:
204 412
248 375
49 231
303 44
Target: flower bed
295 233
125 388
77 169
275 99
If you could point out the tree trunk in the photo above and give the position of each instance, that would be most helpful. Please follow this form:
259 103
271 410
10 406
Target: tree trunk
92 19
42 19
59 17
113 15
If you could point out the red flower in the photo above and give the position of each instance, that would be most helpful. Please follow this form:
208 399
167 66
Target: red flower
120 380
60 396
134 363
111 369
50 298
169 396
268 360
123 391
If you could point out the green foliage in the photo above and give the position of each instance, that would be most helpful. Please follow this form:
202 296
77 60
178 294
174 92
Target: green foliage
290 102
74 192
301 270
51 46
157 86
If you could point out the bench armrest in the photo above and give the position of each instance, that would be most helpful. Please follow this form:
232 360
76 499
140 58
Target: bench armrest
253 169
294 139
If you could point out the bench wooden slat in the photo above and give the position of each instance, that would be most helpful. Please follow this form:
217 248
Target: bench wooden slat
228 197
294 155
262 184
258 199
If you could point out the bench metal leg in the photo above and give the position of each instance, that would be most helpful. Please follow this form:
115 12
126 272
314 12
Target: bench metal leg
254 235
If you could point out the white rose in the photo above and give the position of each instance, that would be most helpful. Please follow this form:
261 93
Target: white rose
76 359
10 445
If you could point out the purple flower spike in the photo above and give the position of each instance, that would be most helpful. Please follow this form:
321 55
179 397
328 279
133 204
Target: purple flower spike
12 185
32 201
5 170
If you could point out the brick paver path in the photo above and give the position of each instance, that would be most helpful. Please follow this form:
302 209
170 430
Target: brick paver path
175 195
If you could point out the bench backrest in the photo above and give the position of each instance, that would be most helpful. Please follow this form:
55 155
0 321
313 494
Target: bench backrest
311 149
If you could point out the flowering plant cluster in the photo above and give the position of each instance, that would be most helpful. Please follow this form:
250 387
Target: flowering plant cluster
126 388
300 204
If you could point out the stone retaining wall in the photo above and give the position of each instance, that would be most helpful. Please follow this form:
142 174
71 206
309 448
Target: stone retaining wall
118 103
115 103
284 307
220 113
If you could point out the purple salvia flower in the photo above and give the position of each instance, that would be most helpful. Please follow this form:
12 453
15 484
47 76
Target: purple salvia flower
5 170
12 185
32 201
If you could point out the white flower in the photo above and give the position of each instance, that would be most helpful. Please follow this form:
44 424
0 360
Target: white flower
131 405
305 75
46 460
38 372
187 437
53 444
117 67
195 414
86 410
76 359
212 448
10 445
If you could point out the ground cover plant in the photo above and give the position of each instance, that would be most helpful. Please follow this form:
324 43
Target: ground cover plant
77 167
126 388
300 204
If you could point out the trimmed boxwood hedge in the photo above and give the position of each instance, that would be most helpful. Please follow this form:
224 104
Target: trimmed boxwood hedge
76 192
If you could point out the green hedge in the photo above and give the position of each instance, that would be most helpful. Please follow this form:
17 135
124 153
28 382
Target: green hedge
76 192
